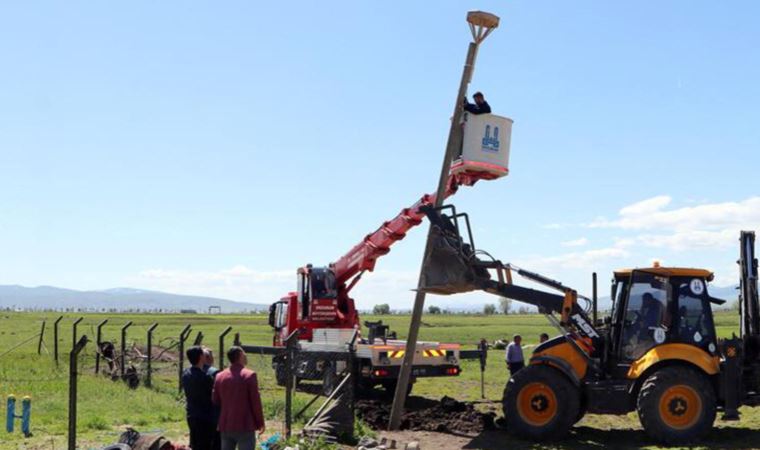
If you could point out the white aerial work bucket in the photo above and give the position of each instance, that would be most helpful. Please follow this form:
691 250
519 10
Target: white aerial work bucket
485 147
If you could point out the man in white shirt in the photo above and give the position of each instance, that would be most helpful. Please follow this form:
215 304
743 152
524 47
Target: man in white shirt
514 356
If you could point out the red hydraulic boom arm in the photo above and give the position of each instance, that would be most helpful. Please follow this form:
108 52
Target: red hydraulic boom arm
362 256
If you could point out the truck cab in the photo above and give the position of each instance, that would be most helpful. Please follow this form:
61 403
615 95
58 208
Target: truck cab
316 303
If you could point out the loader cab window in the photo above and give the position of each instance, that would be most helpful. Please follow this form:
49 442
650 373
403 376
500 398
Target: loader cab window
646 318
694 324
617 294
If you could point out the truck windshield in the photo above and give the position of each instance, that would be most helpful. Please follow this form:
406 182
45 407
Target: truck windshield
323 284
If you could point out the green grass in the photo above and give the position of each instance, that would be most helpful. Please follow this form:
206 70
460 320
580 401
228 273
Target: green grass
107 407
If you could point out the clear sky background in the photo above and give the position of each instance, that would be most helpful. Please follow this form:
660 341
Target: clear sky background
213 148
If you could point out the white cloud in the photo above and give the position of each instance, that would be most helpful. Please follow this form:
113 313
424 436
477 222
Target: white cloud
585 260
235 283
709 225
648 206
580 242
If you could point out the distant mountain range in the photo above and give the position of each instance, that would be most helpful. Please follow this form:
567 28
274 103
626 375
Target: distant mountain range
118 299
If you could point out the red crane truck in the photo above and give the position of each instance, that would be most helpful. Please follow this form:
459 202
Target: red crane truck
325 315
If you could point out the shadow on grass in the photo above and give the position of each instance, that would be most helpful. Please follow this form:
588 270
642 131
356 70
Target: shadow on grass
726 438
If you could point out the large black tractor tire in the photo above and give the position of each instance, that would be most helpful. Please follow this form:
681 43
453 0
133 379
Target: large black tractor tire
540 403
676 405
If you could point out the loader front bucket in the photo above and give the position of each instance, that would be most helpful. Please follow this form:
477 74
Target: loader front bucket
450 266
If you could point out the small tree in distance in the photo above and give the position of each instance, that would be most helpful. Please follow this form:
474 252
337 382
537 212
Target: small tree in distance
381 310
489 309
432 309
504 305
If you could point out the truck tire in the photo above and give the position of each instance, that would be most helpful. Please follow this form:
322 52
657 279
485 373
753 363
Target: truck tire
279 373
329 380
389 388
540 403
676 405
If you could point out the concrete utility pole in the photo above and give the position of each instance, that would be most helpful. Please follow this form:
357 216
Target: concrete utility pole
481 24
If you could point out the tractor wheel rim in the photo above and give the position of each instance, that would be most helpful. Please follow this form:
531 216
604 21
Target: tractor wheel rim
537 404
680 406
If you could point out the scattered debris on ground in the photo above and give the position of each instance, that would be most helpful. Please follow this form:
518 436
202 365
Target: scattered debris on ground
444 416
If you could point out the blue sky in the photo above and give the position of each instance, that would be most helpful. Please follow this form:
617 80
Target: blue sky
209 149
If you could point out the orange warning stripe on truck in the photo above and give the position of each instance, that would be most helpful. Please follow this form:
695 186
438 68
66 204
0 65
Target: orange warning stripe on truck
396 354
433 353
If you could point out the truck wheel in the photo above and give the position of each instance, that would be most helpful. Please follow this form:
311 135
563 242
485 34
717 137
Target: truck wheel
540 403
676 405
279 373
329 380
389 388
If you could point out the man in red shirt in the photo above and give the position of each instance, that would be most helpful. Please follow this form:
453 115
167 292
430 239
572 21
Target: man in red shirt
236 391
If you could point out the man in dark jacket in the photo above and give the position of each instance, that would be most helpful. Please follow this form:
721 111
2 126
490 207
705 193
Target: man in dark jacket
480 106
198 385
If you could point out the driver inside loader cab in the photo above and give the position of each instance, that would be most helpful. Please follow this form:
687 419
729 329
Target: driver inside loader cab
651 311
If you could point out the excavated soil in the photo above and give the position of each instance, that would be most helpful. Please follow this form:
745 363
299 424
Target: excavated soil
444 416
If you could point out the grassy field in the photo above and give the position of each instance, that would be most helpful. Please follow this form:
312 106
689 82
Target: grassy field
107 407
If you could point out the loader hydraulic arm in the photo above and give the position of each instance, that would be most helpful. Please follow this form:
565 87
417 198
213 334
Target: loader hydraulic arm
454 266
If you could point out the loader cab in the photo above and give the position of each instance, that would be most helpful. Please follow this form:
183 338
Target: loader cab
658 306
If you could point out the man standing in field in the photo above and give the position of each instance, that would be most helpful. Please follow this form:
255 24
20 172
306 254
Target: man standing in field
236 391
197 385
208 367
514 356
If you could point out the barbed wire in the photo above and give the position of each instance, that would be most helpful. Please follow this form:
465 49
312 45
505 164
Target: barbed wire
20 344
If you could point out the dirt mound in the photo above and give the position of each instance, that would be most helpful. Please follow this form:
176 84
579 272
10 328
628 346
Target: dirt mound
445 416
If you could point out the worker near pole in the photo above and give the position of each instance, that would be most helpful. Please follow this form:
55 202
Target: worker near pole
197 385
236 391
480 106
514 356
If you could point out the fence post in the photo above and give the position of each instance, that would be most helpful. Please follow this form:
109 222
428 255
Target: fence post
483 358
74 331
98 341
148 380
55 338
289 366
42 336
237 339
221 346
182 337
73 391
198 338
124 346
